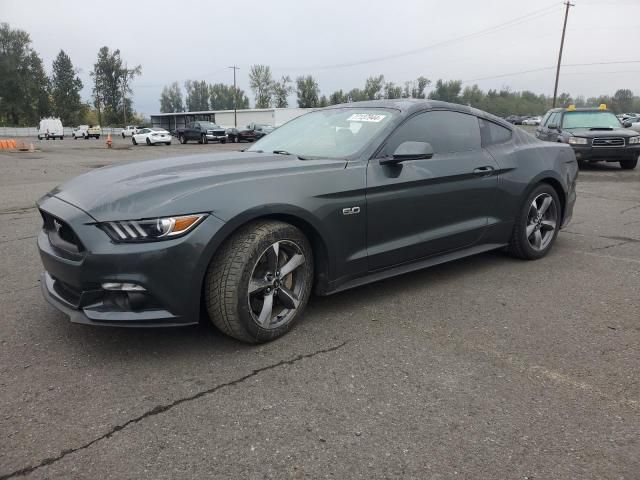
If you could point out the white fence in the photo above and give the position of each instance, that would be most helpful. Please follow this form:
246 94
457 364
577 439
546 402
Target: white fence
12 132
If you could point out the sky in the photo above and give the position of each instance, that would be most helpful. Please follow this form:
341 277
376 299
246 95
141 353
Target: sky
342 42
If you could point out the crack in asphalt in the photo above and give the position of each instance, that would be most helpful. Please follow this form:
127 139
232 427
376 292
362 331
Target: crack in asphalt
158 409
16 239
18 210
6 292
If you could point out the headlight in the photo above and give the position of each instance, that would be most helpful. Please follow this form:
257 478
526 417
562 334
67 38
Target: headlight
578 141
634 140
151 229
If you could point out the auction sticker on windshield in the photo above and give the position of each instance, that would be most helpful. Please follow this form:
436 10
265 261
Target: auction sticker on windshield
366 117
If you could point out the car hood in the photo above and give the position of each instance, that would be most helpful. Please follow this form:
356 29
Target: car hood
616 132
181 185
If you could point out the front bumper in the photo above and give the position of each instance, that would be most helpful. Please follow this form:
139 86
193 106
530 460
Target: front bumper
219 138
171 272
606 154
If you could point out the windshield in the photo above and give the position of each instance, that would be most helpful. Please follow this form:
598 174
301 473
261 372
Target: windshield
208 125
590 119
331 133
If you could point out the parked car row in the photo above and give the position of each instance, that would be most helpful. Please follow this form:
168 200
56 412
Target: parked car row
523 120
86 132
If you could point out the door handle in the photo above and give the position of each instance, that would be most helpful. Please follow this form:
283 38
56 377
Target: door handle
484 171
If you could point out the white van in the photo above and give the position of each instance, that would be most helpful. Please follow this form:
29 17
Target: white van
50 128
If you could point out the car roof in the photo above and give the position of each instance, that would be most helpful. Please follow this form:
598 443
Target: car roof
407 106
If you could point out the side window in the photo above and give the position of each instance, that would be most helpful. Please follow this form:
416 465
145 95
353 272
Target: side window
492 133
544 120
553 119
446 131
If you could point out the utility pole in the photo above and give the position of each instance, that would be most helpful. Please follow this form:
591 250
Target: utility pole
235 97
564 29
124 98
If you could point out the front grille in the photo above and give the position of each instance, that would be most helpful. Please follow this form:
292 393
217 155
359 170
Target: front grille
60 234
608 142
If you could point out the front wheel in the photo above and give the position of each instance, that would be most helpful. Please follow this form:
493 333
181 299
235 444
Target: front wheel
182 139
258 283
629 164
133 140
148 142
204 139
537 224
122 134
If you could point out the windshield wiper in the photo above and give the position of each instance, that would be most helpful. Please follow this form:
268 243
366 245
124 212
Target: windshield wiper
284 152
601 128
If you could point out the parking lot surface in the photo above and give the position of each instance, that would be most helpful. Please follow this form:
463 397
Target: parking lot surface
485 368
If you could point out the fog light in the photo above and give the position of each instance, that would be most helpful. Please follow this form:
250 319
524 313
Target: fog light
124 287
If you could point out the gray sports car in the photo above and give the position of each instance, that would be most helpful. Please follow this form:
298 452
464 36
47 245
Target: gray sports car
334 199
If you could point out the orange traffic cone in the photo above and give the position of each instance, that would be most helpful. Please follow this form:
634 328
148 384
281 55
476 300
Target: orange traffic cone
13 145
3 144
109 141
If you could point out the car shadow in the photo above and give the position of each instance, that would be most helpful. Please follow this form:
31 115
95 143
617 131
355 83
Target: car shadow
204 340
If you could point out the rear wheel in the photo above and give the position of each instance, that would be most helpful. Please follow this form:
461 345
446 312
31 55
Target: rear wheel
258 283
167 143
133 140
122 134
537 225
629 164
148 142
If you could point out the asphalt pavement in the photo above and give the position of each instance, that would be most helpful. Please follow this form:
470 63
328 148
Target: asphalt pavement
484 368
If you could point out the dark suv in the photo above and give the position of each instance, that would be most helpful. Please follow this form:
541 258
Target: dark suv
595 134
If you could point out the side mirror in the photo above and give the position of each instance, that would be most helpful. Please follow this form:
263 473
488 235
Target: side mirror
626 124
409 151
553 126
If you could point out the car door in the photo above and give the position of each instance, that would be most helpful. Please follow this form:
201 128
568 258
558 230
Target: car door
420 208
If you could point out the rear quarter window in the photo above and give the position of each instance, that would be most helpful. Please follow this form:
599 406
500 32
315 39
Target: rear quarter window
492 133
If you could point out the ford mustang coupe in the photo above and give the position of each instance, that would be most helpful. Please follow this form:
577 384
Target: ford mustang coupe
334 199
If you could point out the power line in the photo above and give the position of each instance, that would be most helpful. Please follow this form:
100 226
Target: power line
508 24
542 69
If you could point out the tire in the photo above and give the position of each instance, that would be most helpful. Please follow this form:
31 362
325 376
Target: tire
97 137
182 139
74 137
203 139
629 164
224 140
148 142
122 134
62 137
542 227
167 143
133 140
245 255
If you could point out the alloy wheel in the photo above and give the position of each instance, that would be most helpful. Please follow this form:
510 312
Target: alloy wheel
542 221
277 283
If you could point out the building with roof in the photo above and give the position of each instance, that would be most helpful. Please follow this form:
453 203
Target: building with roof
225 118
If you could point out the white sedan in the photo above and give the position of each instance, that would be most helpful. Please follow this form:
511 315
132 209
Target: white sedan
532 121
151 136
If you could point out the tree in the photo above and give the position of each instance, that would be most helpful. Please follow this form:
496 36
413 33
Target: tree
261 83
357 95
281 90
24 86
623 101
308 92
448 91
221 97
415 88
111 84
65 90
338 97
171 99
564 100
391 90
38 89
323 101
373 87
197 95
